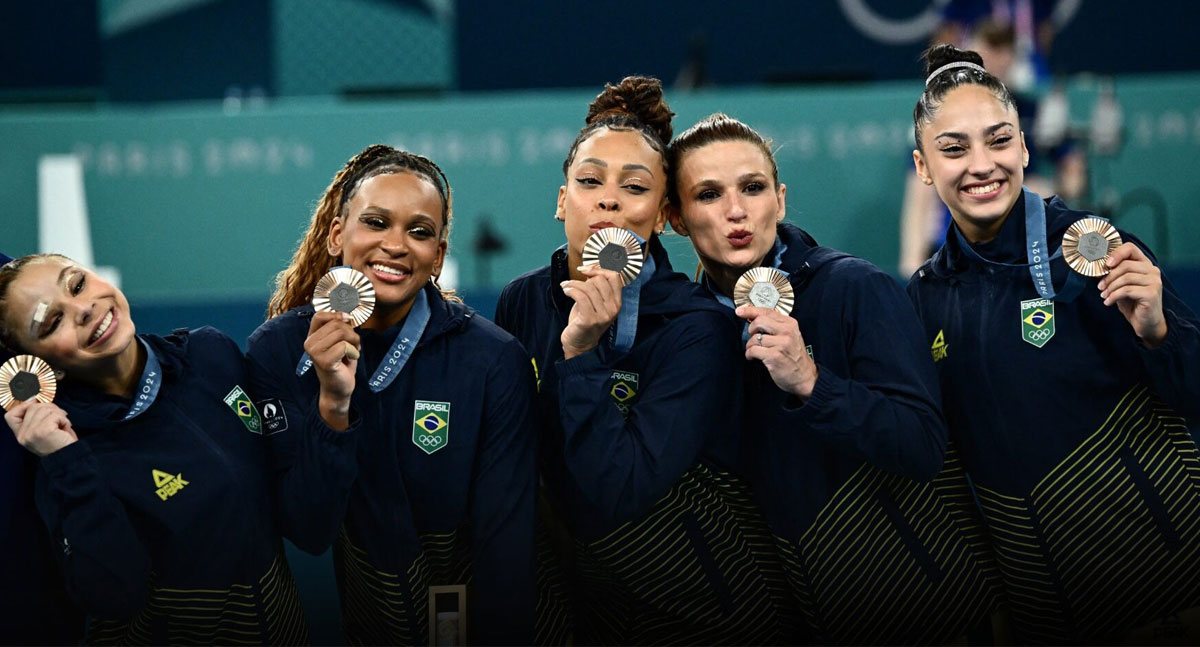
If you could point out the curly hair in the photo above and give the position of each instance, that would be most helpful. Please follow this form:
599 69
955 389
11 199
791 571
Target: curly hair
294 286
636 103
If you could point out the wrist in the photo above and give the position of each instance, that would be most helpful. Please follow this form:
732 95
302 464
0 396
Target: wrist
335 411
1155 337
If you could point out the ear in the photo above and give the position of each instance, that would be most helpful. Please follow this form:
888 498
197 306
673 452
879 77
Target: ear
440 260
1024 152
334 244
922 168
676 219
782 197
560 211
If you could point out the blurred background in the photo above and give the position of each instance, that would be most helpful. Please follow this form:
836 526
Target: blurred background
181 145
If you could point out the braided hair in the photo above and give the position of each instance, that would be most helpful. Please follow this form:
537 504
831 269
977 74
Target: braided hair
294 285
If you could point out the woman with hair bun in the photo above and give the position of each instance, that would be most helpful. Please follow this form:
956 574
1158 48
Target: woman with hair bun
1069 372
640 414
409 442
844 437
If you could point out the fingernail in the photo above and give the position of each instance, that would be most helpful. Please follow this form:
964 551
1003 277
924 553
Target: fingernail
1108 261
563 284
1100 286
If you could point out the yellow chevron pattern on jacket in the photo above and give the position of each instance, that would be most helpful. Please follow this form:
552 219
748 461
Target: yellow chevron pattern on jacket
894 561
265 613
700 568
1109 539
381 608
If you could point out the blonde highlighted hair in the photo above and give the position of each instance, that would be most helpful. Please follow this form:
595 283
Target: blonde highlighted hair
294 286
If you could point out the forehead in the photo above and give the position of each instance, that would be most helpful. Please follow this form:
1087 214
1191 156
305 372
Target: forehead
724 158
37 283
619 147
401 192
968 108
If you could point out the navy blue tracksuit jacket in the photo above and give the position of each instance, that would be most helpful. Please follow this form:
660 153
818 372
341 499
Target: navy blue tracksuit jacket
1071 430
882 541
638 453
163 522
404 519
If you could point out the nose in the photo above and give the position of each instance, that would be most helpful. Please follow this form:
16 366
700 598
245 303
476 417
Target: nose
736 212
980 163
83 311
395 242
609 204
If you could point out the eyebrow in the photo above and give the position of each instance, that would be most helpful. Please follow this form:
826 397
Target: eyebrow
627 167
745 177
989 131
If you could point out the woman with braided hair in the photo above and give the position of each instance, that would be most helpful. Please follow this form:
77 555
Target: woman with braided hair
407 443
639 413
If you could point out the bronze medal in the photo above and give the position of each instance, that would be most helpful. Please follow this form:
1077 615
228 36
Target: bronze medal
614 249
26 377
1087 243
765 287
345 289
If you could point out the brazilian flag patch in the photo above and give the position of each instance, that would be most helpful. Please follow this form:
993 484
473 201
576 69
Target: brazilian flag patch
1037 321
431 425
245 409
623 387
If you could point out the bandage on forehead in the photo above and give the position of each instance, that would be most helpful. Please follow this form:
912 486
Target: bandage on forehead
39 314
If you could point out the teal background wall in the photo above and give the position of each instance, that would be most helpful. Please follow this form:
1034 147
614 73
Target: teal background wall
194 204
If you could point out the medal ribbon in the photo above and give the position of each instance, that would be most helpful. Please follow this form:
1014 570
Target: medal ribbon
148 386
1037 251
402 349
621 337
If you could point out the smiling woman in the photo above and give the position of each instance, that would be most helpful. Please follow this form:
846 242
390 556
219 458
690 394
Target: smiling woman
139 421
1081 487
408 503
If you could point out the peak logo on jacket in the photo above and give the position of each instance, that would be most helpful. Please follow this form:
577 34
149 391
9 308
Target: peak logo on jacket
244 408
939 348
431 425
623 387
167 484
1037 321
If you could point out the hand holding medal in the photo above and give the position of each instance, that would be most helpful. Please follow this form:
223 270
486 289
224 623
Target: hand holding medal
27 388
611 259
348 291
764 297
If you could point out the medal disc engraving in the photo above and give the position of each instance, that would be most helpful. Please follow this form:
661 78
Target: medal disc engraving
614 249
765 287
26 377
1093 246
344 289
1086 244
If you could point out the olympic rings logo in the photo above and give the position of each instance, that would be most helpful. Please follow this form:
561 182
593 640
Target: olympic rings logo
431 441
1039 335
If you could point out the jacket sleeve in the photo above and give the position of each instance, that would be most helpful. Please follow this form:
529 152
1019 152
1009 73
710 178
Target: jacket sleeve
314 465
107 569
888 409
690 387
1174 366
504 495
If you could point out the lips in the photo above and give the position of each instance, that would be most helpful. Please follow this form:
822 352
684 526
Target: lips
390 272
603 224
740 238
104 329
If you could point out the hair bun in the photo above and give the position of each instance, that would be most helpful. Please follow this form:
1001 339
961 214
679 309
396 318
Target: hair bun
638 96
944 54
